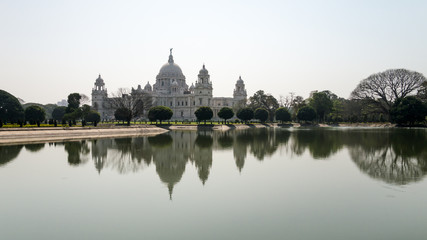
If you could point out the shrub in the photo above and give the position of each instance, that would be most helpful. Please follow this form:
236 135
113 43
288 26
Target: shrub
35 114
226 113
245 114
261 114
160 113
408 110
93 117
203 114
283 115
306 114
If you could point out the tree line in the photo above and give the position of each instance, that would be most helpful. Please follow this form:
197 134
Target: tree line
395 95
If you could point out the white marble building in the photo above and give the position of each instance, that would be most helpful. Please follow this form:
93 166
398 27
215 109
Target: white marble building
171 90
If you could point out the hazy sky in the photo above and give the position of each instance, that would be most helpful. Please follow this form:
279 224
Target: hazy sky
49 49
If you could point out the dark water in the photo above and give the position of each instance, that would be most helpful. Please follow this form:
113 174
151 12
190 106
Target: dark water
250 184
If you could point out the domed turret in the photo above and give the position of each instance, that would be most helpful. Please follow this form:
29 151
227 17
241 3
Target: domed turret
239 90
99 83
240 81
148 87
203 71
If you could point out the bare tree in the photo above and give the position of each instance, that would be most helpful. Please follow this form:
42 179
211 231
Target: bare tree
287 101
386 87
137 102
84 99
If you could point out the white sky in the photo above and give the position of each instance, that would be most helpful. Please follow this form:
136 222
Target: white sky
49 49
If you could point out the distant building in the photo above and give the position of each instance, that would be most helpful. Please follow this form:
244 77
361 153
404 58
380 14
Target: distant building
62 103
171 90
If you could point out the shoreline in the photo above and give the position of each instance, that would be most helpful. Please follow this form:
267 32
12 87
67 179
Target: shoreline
46 134
32 135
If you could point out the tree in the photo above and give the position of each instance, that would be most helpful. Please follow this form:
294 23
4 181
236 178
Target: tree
337 112
35 114
408 110
282 114
286 101
93 117
137 102
226 113
306 113
48 108
203 113
422 92
386 87
123 114
84 99
73 112
322 104
10 108
261 114
85 110
266 101
245 114
73 102
160 113
58 113
297 103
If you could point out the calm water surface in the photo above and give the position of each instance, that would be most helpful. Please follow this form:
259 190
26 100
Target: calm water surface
246 184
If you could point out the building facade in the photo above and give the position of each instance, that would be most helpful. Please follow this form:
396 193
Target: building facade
171 90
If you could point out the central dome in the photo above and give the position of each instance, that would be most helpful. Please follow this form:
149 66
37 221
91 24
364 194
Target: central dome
170 69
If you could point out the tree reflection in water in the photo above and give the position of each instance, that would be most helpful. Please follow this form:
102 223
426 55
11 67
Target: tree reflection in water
34 147
77 152
396 156
8 153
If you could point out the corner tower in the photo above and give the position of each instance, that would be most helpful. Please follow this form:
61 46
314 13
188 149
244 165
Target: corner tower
239 93
203 88
100 97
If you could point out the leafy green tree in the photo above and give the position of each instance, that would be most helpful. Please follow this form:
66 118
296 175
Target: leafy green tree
35 114
73 116
306 113
322 104
283 114
422 92
10 108
261 114
297 103
123 114
263 100
48 108
73 102
226 113
85 110
337 110
58 113
408 110
73 112
160 113
245 114
203 114
93 117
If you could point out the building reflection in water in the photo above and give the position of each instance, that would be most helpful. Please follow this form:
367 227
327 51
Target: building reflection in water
396 156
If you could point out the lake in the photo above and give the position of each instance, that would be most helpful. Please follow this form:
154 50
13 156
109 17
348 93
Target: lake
270 183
